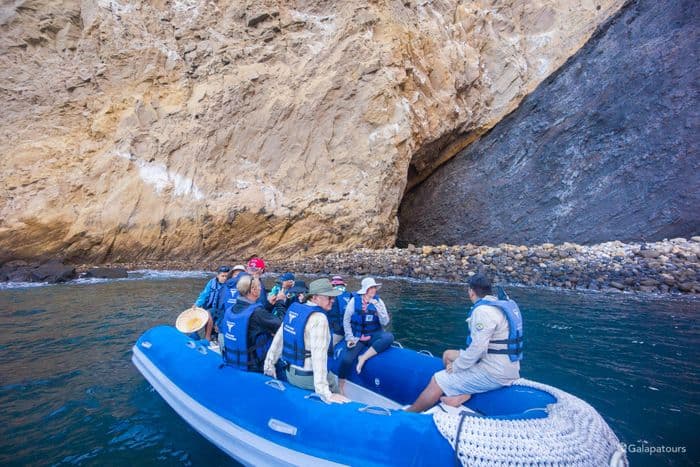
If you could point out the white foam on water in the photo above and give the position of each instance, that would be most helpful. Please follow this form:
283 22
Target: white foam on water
22 285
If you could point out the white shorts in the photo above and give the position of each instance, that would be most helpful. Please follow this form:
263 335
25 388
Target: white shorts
470 381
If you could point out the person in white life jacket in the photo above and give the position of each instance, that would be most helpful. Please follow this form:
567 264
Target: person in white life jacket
304 342
492 357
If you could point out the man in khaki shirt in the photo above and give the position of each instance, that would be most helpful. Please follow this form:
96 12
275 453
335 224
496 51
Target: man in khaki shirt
313 374
476 369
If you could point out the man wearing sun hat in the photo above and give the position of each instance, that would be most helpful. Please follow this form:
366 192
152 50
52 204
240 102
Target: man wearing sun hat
304 342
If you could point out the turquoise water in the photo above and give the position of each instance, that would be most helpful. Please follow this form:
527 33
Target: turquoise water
70 395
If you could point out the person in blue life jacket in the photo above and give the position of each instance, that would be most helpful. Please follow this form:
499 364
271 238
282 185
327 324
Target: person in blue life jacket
304 342
209 298
363 323
335 315
256 268
492 357
228 297
298 292
281 292
247 328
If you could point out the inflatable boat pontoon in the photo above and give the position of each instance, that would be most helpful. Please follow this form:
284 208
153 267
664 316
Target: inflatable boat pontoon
262 421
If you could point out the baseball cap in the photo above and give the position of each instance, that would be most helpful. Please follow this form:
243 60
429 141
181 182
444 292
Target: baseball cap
256 263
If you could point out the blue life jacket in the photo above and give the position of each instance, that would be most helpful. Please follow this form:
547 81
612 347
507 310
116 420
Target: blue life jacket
515 328
236 351
293 349
336 313
364 323
214 290
230 293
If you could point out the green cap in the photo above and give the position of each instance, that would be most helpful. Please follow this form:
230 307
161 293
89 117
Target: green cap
323 287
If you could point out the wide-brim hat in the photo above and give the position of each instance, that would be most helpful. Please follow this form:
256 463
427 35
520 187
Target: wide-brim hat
368 282
192 320
298 287
238 267
323 287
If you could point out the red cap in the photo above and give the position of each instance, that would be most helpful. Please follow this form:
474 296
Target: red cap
256 263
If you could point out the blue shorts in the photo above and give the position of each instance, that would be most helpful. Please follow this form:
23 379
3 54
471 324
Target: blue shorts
470 381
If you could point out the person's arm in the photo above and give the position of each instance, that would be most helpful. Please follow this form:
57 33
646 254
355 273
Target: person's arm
267 320
381 311
481 329
204 295
347 315
316 340
273 354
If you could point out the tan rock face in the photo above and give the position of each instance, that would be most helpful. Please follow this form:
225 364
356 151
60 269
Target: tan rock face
199 130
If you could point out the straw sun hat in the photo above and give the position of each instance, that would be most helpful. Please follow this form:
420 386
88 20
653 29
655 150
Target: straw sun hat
192 320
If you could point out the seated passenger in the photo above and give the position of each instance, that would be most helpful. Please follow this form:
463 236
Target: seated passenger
335 316
210 298
304 341
256 268
229 294
298 291
281 291
492 357
363 321
248 328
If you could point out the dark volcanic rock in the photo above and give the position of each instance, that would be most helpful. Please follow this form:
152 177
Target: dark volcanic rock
53 271
605 149
106 273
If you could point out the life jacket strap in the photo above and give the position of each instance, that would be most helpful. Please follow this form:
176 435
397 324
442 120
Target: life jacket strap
516 340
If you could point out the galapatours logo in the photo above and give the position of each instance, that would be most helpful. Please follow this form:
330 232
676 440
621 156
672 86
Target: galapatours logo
646 449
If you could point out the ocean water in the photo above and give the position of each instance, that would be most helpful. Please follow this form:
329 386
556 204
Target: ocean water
70 395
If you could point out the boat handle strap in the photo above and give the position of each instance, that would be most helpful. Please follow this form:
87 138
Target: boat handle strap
190 344
375 409
274 383
426 352
314 395
282 427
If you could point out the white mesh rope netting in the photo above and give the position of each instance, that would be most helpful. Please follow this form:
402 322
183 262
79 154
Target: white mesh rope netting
572 434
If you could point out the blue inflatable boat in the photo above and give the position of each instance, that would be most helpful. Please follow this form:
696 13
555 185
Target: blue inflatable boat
261 421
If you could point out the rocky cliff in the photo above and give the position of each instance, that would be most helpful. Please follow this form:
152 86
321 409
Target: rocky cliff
606 149
195 130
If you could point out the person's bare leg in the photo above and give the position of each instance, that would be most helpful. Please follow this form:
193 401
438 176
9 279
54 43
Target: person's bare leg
430 395
362 359
210 326
449 356
455 401
341 386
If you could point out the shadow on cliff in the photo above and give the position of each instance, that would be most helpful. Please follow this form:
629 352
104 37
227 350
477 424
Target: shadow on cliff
604 149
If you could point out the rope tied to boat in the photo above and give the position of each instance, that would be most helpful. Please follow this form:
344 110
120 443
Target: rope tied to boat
573 434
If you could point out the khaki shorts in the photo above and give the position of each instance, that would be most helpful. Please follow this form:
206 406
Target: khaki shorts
470 381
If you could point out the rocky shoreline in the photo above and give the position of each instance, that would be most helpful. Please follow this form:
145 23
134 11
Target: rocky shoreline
669 266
